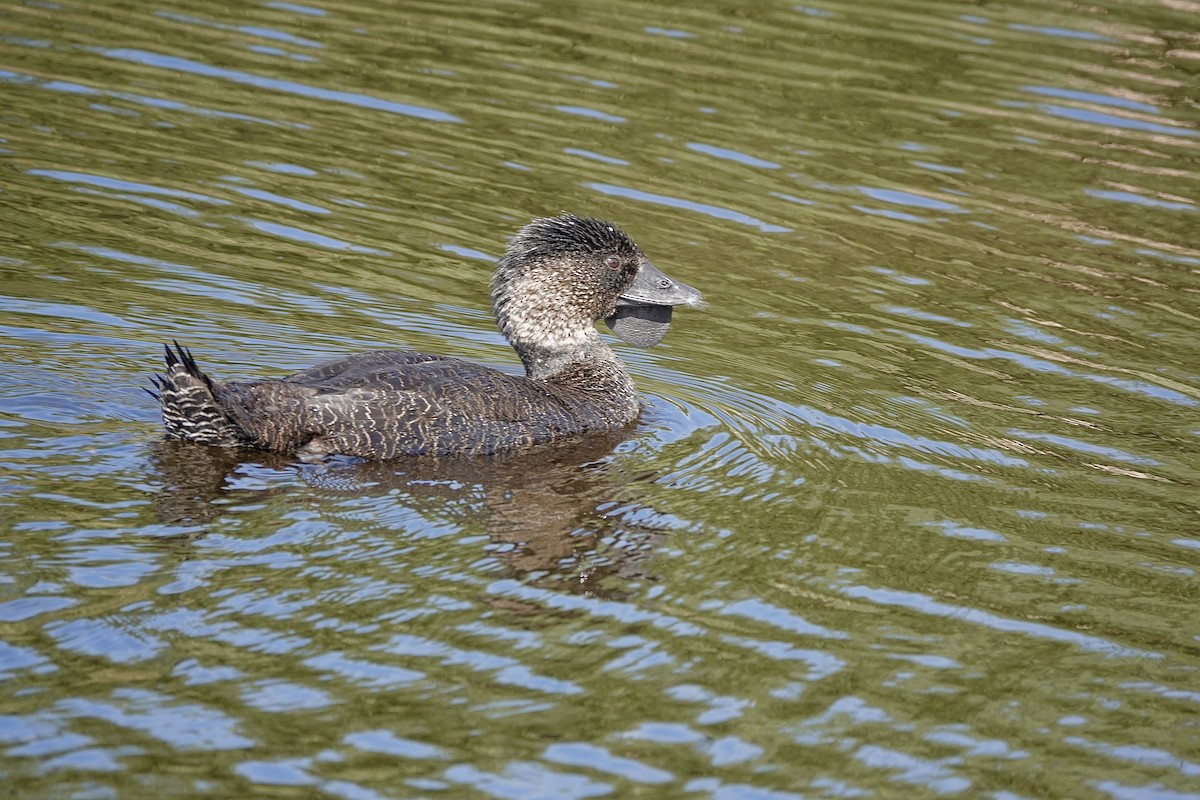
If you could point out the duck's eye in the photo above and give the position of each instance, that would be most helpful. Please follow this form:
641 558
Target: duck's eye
612 262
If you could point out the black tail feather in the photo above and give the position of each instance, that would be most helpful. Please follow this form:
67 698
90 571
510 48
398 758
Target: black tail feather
189 404
183 357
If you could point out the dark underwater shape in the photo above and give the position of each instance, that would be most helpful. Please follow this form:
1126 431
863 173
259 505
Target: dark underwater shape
558 276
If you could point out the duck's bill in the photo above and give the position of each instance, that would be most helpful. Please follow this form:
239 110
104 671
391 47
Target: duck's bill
644 310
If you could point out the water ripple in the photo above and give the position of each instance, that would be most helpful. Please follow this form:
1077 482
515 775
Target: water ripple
177 64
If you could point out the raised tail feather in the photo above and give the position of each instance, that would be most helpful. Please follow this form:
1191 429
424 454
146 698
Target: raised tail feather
190 409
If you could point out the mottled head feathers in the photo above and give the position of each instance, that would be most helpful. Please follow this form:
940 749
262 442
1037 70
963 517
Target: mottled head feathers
553 237
558 276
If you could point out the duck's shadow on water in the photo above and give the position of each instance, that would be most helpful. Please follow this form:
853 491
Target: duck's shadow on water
547 511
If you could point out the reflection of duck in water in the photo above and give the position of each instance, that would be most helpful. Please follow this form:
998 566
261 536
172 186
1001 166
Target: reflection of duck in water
557 278
569 515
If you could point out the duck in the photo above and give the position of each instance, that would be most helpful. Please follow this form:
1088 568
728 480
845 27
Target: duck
557 278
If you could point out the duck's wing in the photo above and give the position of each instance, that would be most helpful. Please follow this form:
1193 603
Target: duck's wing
395 369
430 377
389 404
489 411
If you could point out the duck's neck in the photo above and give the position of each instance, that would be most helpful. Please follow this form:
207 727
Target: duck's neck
546 359
549 336
582 372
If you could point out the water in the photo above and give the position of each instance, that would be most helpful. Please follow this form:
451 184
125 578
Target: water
912 510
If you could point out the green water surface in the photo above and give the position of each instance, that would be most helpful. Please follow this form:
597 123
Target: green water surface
912 510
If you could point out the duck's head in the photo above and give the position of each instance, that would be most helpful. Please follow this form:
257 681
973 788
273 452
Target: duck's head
559 275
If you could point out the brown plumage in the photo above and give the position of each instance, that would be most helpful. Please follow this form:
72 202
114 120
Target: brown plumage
557 278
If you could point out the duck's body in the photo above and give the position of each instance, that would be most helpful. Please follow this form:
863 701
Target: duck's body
389 403
558 277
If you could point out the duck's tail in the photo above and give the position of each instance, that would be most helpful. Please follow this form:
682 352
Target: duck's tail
190 409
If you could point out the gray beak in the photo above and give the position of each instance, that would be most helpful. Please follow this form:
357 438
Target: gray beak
653 288
644 310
